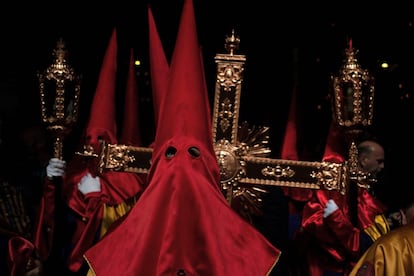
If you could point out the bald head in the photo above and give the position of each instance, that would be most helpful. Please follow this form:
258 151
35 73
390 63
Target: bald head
371 156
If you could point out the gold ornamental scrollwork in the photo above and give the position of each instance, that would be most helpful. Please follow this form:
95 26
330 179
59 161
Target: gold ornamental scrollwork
119 158
331 176
278 171
226 114
229 78
229 75
124 158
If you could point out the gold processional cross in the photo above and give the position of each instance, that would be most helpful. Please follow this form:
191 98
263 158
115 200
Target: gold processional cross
242 152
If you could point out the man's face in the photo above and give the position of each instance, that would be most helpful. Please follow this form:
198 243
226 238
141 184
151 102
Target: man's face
373 162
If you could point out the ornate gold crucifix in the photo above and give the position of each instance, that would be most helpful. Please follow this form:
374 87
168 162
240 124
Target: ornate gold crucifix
242 152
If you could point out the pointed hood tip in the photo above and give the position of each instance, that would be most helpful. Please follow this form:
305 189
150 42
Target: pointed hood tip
131 127
289 147
334 149
185 111
159 67
102 120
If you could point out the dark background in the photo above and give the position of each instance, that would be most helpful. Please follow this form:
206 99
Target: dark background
285 44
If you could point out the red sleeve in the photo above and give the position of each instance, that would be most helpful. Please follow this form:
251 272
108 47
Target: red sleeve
87 228
45 223
345 232
336 235
20 256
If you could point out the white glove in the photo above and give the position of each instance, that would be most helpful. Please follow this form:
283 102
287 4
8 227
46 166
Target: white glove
89 184
55 168
330 208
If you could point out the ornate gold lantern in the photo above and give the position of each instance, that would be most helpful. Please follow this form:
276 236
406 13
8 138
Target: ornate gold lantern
59 97
353 106
353 90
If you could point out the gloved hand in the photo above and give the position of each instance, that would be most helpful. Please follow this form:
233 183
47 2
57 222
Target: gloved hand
55 168
330 208
89 184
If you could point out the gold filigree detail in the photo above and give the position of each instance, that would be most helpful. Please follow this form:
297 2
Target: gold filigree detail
229 75
278 172
124 158
225 114
330 176
88 151
120 157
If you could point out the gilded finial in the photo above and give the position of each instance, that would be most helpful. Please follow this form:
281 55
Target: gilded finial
60 51
351 62
60 69
232 43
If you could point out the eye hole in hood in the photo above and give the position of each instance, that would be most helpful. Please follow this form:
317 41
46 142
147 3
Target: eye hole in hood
194 151
170 152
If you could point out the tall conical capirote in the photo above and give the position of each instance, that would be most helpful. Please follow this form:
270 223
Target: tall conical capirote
184 111
102 118
131 133
159 67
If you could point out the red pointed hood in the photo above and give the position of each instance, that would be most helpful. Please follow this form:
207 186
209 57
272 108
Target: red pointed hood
131 127
335 145
290 152
184 111
159 67
289 147
102 118
116 187
101 125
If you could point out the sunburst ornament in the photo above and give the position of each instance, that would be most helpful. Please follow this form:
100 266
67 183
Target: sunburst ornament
253 142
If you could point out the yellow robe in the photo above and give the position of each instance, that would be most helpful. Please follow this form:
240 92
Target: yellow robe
392 254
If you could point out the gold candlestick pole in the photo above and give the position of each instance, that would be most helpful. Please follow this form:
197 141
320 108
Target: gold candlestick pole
59 87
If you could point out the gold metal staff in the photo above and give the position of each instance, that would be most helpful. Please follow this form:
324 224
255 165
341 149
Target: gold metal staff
59 97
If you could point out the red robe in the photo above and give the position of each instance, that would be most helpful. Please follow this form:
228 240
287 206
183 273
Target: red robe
116 188
182 222
336 242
